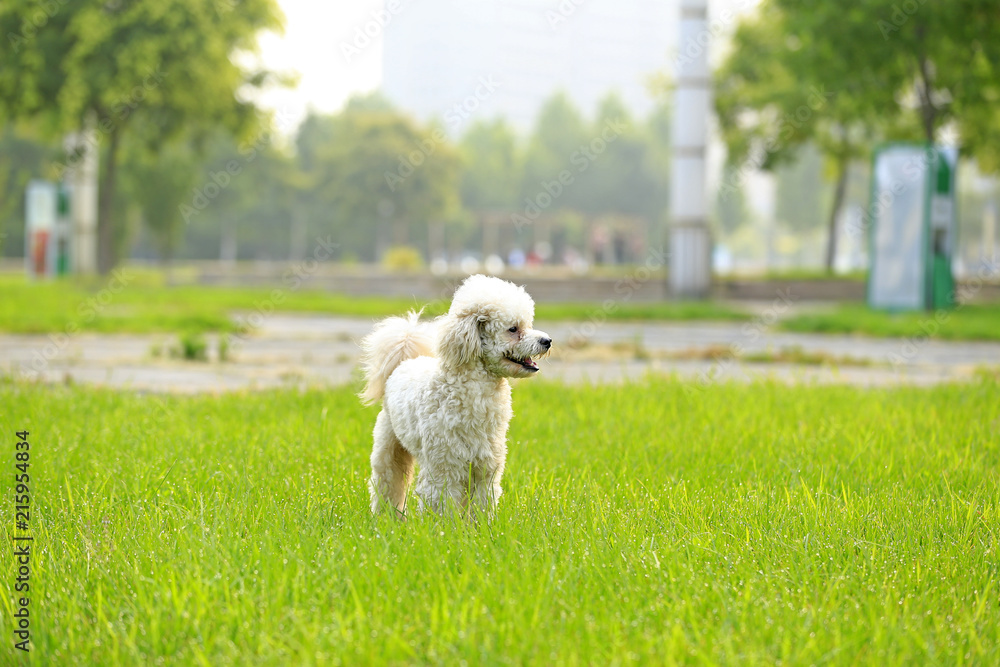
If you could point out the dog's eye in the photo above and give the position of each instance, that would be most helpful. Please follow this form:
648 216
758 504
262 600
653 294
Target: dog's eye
512 330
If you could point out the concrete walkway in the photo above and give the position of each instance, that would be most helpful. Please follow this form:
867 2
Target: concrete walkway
310 350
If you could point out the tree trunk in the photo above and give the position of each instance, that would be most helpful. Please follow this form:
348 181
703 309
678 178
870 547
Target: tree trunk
401 231
106 251
928 112
168 266
843 163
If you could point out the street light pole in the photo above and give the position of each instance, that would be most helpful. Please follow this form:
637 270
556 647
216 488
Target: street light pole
690 240
81 178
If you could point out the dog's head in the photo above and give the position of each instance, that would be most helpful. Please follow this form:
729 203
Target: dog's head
489 324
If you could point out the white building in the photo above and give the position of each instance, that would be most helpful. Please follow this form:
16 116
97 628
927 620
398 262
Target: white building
463 59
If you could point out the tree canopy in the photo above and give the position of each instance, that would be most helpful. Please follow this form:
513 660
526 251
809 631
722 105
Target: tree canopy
846 77
101 65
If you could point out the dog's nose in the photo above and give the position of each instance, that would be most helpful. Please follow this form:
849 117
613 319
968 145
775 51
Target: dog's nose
546 343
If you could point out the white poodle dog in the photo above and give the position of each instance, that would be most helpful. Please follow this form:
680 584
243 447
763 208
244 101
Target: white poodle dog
445 396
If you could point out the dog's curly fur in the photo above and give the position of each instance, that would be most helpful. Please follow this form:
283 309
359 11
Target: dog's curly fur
445 396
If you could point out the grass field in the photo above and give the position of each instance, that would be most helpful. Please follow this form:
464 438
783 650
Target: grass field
654 523
970 322
145 305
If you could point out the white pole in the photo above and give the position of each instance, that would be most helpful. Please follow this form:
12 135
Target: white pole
690 241
82 179
988 247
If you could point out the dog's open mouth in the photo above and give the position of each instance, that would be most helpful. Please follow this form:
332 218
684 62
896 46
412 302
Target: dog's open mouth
525 363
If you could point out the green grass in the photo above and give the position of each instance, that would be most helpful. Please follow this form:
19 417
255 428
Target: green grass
972 322
808 274
674 523
145 305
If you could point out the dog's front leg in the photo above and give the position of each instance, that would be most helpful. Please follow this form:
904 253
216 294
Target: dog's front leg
442 488
488 490
485 490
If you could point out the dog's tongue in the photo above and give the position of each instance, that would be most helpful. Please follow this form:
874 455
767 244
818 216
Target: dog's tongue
529 363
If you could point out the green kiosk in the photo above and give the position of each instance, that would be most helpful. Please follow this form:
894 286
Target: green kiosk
913 227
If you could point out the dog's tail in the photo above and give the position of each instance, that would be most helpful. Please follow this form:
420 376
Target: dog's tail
393 341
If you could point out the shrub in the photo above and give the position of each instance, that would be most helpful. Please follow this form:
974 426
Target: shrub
402 258
192 346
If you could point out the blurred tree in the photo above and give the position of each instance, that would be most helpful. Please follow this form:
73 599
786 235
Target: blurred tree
372 169
846 77
554 147
731 210
656 132
799 191
100 64
245 201
621 178
23 156
158 184
491 176
491 180
771 99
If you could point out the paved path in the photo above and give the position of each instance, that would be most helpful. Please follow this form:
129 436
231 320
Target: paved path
302 350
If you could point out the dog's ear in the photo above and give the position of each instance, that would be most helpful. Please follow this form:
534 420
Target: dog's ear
458 340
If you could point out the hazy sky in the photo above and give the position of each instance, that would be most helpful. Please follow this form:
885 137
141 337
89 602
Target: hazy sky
313 46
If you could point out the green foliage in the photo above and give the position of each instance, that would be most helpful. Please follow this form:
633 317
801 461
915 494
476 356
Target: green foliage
799 192
376 167
256 187
611 171
169 60
22 157
159 184
558 134
654 523
104 65
191 346
622 179
803 70
841 79
491 167
731 210
367 177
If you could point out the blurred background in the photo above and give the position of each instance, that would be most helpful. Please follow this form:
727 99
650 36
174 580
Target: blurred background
431 135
